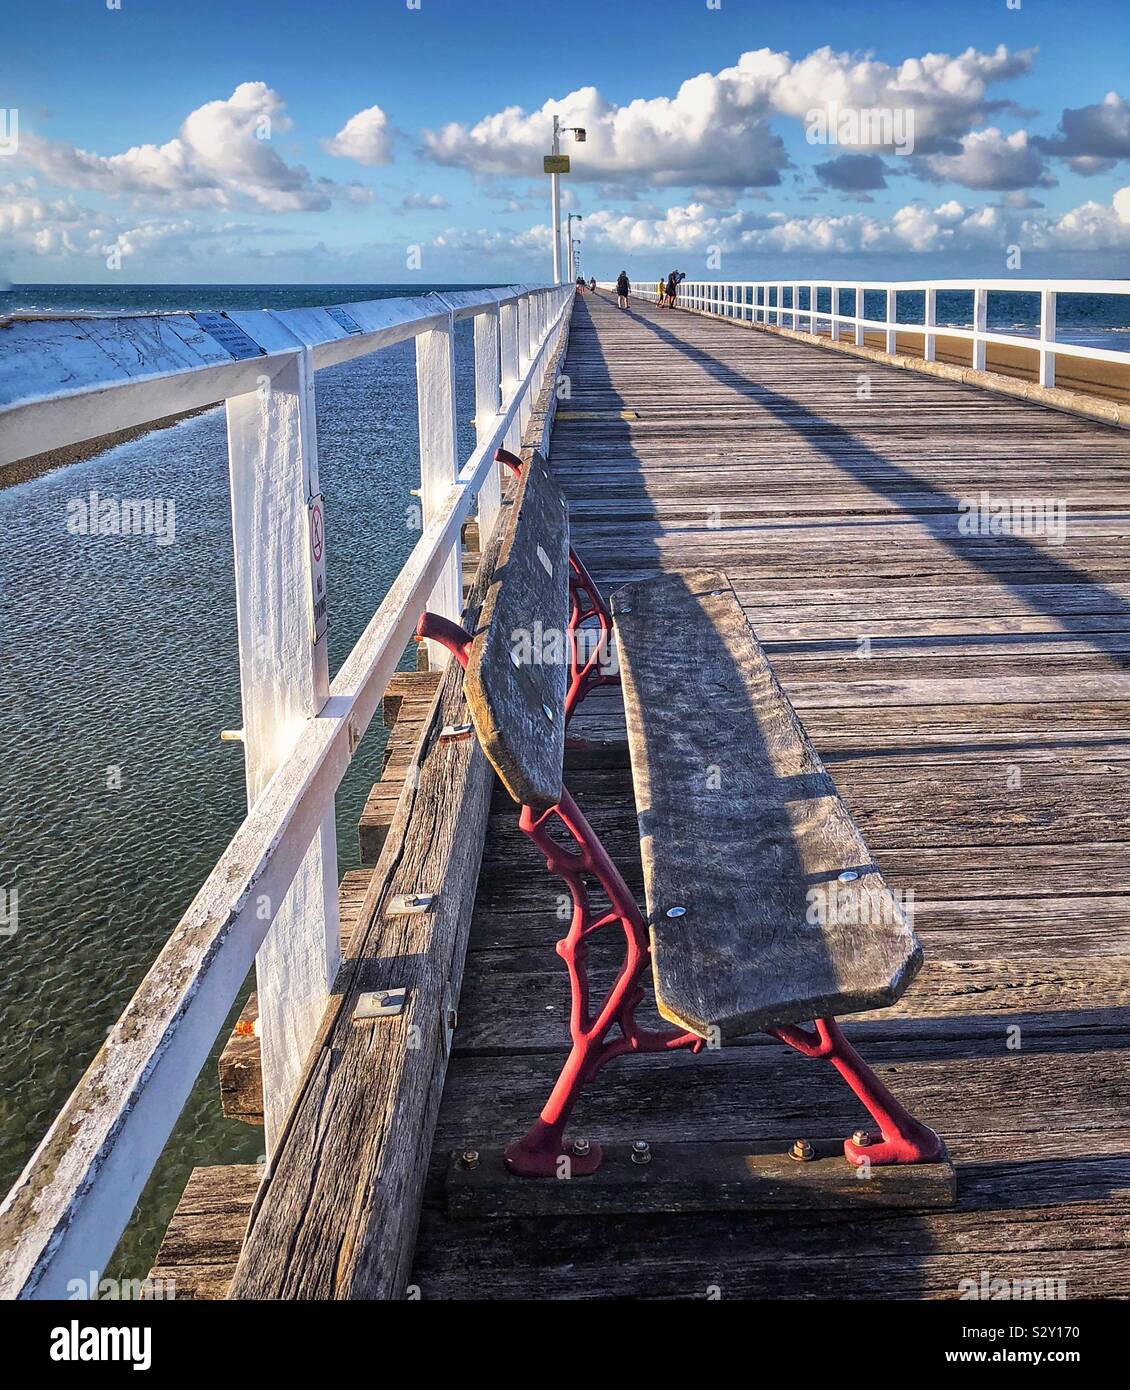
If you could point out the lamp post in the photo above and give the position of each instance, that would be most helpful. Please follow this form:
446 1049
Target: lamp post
553 169
569 243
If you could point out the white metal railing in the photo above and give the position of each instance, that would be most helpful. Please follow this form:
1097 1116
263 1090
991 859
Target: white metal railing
797 304
63 380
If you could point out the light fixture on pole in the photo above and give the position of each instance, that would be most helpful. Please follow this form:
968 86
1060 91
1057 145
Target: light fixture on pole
555 165
569 243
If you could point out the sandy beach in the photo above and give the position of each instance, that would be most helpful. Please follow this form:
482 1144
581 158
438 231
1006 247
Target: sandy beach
38 464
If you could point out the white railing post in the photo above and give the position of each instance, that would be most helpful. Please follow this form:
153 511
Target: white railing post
930 316
439 462
508 355
278 530
860 331
891 331
487 401
1047 335
980 324
812 325
524 358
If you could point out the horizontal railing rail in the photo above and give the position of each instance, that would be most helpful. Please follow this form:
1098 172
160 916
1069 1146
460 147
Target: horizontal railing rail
271 899
797 304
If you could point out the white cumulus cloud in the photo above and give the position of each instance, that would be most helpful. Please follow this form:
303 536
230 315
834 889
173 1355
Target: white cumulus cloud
222 156
715 130
364 138
989 159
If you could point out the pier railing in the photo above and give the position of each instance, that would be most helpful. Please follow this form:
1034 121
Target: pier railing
272 898
835 310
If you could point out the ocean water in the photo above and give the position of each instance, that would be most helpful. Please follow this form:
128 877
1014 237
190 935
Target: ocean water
119 663
1087 320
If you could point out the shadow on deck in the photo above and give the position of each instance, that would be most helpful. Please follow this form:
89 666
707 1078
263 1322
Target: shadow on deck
969 695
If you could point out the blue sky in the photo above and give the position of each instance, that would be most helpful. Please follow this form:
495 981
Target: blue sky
382 141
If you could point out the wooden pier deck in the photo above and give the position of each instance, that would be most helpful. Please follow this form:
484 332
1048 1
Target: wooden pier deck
971 696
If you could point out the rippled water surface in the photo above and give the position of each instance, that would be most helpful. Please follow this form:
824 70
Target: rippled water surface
119 670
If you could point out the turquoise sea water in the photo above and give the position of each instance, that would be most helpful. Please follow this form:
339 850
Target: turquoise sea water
119 669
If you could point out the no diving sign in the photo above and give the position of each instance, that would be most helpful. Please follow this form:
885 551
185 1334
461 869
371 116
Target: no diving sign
317 517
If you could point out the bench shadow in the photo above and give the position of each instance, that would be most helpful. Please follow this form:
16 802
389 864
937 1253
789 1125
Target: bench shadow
732 1250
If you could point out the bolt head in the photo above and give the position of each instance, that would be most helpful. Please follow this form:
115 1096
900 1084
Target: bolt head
469 1158
581 1148
641 1151
861 1138
802 1151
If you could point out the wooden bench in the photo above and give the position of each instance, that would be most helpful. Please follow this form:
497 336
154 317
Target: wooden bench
764 909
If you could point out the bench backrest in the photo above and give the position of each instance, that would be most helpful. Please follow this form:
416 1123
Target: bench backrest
518 667
765 906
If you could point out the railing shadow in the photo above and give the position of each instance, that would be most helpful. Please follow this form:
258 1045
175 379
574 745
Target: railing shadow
872 470
741 1242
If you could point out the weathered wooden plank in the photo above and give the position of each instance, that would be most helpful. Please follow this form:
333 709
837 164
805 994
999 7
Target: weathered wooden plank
693 1177
517 671
202 1242
764 904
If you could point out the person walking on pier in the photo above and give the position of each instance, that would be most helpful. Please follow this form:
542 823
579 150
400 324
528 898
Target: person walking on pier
592 284
661 294
622 288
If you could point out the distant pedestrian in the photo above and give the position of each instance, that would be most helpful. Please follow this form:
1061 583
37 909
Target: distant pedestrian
670 288
660 293
623 287
592 284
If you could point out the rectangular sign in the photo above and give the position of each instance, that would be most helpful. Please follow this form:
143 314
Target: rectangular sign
229 336
556 163
343 318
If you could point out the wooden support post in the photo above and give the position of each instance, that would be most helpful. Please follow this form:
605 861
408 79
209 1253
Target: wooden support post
980 324
930 339
439 462
487 401
278 525
1047 335
892 332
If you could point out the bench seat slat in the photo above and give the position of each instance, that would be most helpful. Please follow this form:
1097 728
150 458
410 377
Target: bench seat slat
517 669
738 822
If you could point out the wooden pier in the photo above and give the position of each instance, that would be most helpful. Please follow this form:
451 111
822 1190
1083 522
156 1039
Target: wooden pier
971 697
968 691
981 740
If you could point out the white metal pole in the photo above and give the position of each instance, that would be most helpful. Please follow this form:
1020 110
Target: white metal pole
555 205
